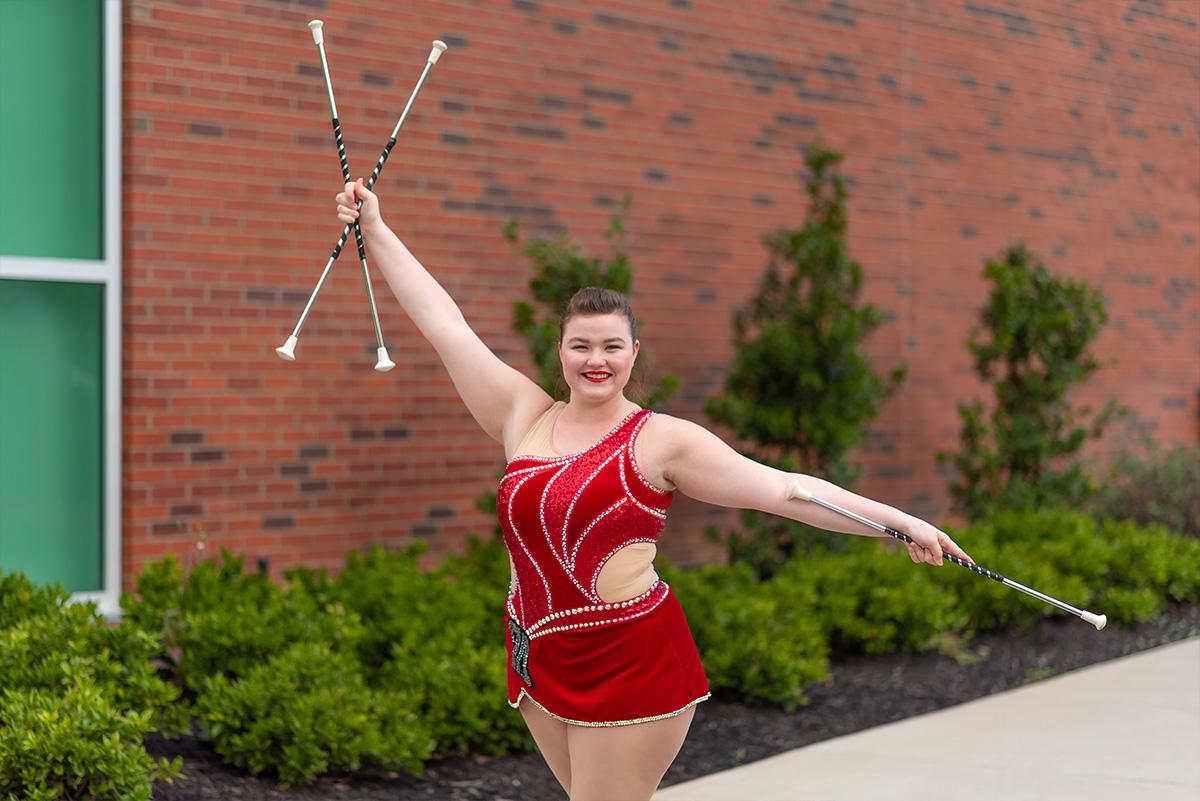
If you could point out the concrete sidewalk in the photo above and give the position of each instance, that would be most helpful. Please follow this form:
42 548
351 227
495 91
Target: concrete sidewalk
1125 730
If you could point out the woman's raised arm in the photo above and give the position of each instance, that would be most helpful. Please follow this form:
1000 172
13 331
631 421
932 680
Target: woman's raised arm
502 400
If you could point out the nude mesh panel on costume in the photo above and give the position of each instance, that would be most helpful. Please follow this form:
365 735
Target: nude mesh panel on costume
630 571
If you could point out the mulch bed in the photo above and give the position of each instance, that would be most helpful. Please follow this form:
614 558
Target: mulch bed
862 692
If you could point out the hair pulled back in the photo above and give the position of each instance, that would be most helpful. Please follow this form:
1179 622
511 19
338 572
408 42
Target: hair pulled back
598 300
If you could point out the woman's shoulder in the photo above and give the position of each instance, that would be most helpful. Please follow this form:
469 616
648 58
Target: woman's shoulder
669 421
663 431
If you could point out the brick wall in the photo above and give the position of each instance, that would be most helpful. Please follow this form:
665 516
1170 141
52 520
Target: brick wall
1074 126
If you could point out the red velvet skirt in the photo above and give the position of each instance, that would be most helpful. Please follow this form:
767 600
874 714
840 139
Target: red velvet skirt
630 672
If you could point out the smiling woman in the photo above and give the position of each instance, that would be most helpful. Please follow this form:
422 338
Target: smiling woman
603 667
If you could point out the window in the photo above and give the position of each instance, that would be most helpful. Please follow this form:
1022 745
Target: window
60 290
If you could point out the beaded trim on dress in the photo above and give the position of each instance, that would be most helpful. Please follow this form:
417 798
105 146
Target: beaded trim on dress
525 694
643 605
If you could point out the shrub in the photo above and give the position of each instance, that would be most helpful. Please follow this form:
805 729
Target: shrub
452 661
1036 330
221 620
801 390
757 641
78 697
75 743
416 660
872 600
1120 569
20 598
306 711
53 650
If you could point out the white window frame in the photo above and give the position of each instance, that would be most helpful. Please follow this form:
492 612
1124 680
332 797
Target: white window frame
106 272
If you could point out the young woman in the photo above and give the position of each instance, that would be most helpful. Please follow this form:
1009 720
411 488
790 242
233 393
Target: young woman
602 665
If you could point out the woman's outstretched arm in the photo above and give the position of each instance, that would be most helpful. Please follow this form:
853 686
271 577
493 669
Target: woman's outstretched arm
703 467
502 400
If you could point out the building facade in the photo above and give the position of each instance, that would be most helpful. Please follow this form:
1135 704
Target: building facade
145 285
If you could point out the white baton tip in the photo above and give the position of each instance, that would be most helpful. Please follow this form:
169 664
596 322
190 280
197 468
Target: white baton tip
384 363
315 26
798 492
288 351
439 47
1099 621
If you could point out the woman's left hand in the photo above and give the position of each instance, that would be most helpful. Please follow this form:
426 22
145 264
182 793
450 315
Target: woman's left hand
929 543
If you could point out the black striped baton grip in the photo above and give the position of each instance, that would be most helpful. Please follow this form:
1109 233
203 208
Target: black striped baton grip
797 492
383 157
337 135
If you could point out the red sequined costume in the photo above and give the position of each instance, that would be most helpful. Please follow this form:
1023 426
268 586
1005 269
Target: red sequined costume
580 659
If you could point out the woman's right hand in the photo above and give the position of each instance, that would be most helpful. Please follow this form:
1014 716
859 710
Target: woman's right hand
368 216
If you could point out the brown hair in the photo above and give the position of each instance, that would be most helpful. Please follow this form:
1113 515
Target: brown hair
598 300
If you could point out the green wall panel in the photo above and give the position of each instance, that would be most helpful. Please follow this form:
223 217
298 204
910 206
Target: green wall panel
51 128
52 431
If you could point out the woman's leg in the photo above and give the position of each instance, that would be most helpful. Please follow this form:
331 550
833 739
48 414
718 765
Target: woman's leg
624 763
550 734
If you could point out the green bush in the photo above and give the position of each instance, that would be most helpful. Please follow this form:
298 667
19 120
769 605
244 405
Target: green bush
448 644
386 664
1120 569
78 697
20 598
1163 487
306 711
757 641
871 599
53 650
801 391
429 643
75 743
1032 345
223 621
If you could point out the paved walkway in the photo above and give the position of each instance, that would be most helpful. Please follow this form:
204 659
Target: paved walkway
1125 730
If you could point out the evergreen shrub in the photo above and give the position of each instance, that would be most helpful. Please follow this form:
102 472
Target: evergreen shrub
414 662
757 640
77 698
75 743
438 635
424 650
305 712
801 391
221 620
1032 346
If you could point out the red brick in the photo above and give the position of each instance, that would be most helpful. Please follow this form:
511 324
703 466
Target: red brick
207 219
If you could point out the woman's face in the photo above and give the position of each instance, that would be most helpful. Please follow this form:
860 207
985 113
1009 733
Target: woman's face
597 355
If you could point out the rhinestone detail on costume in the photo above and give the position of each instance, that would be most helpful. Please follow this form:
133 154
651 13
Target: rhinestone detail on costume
563 517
